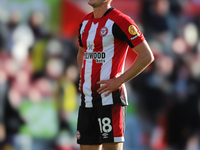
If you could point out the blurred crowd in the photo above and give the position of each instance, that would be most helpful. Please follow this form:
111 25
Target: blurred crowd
39 79
167 93
38 86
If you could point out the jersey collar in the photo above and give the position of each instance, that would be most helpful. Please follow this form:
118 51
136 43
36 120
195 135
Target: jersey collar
110 9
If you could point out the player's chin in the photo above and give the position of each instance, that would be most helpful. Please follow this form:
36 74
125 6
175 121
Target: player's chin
91 3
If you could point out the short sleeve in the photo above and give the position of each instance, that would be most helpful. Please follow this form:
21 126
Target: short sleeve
126 29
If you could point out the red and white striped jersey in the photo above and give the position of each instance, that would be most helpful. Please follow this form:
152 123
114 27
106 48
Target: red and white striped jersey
105 42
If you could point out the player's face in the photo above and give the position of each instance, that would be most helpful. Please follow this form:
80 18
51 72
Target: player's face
97 3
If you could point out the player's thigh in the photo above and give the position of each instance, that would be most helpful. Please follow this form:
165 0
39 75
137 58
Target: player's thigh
111 120
91 147
88 127
113 146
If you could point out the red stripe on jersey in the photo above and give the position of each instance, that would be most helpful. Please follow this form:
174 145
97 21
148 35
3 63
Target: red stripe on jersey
117 120
119 57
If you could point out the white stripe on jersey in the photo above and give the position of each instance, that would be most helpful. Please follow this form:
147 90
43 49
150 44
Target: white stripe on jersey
107 67
88 67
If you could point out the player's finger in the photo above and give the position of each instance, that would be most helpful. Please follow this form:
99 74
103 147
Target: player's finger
108 93
101 82
103 90
79 86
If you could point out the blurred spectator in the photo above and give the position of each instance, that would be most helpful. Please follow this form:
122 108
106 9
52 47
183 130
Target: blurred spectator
12 120
67 95
22 41
40 115
155 16
42 38
3 90
36 24
156 20
39 59
13 21
3 36
135 139
183 116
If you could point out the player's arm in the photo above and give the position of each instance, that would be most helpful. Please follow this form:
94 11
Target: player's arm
144 58
80 57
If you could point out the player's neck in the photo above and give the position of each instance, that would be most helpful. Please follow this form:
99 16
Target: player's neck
100 11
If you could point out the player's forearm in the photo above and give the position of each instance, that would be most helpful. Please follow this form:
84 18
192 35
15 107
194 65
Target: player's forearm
80 57
144 58
137 67
80 61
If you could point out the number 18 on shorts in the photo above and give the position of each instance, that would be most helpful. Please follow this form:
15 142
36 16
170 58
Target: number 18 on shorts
99 125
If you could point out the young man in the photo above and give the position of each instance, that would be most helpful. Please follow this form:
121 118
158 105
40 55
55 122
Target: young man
104 37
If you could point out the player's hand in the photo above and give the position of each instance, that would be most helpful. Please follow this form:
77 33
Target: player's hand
79 85
108 86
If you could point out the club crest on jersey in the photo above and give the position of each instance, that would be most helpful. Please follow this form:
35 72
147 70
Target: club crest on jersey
133 30
104 31
98 56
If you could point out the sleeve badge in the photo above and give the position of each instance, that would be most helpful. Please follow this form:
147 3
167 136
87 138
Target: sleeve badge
133 30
